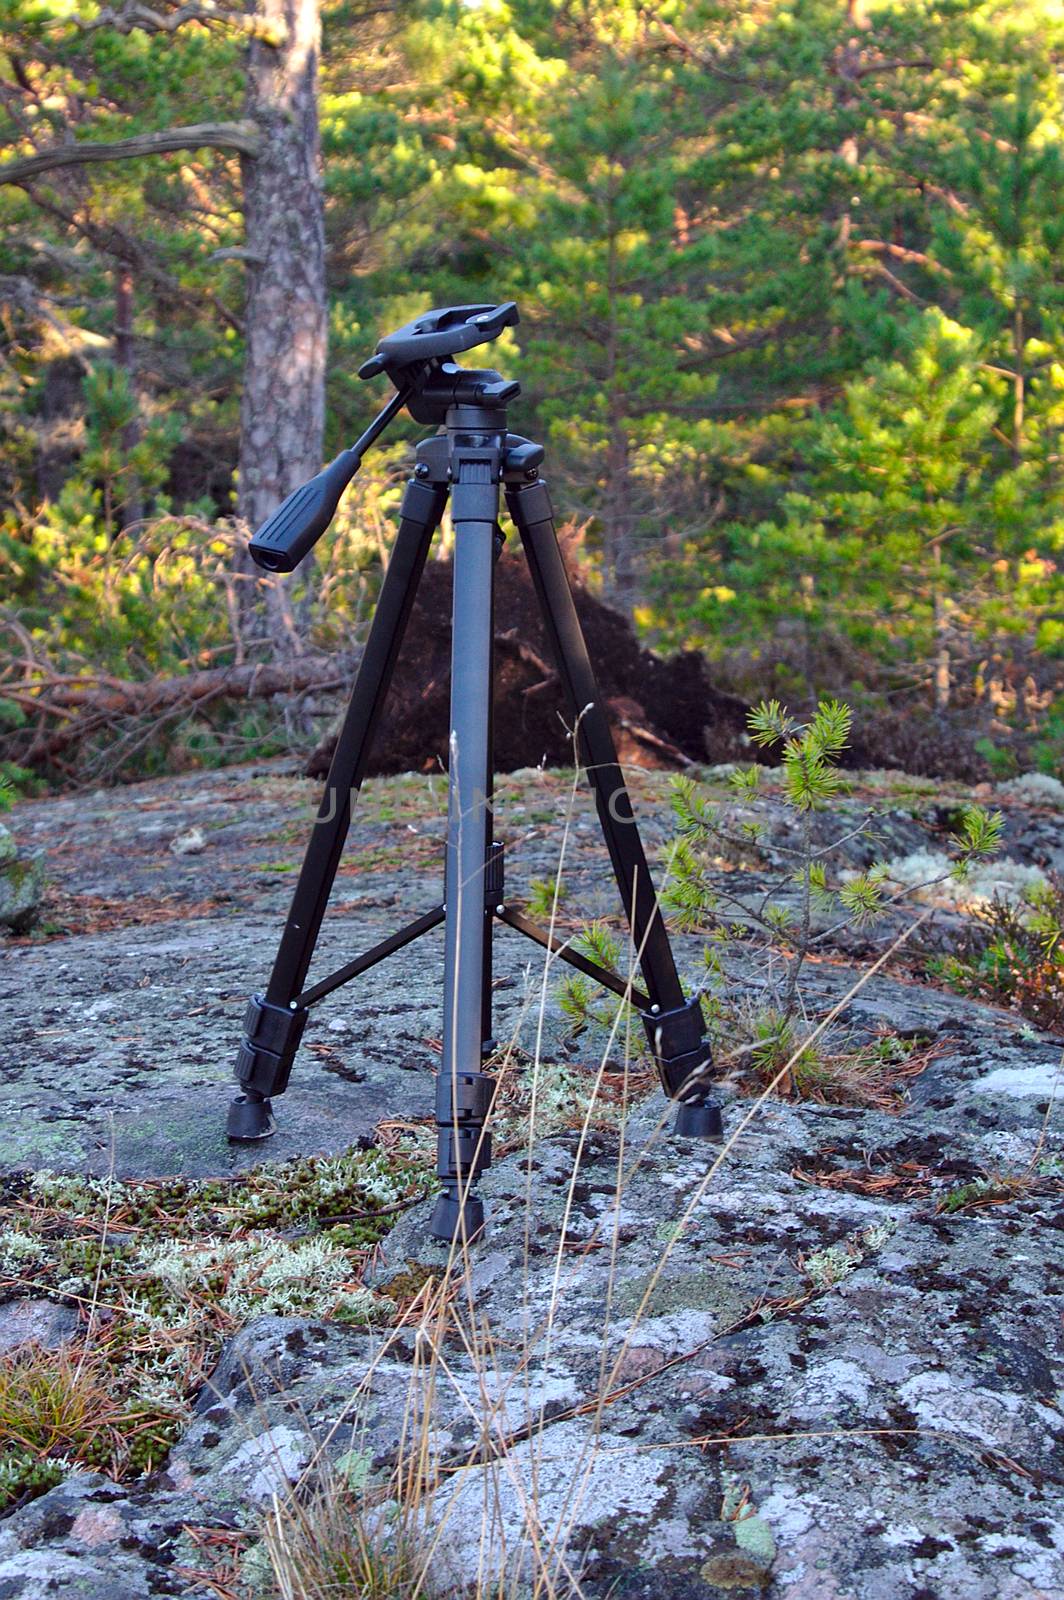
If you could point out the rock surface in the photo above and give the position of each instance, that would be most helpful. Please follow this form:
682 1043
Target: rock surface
21 885
35 1322
125 1019
778 1370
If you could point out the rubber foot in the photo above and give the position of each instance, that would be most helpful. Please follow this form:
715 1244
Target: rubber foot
249 1119
699 1121
451 1219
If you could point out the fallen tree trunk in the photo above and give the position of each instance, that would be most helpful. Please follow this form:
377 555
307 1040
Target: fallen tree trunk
68 710
60 695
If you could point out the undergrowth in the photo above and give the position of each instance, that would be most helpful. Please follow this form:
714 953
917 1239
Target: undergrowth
793 910
872 1073
1013 956
162 1273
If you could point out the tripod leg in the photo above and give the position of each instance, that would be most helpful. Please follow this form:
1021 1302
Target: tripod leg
674 1025
273 1028
493 885
463 1092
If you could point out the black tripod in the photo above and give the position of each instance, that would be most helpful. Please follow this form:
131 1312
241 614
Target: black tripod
468 461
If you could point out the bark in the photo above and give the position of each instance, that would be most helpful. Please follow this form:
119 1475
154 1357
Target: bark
282 406
125 357
942 678
617 518
1019 381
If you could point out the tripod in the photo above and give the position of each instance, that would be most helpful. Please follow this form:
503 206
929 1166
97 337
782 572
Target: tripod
470 461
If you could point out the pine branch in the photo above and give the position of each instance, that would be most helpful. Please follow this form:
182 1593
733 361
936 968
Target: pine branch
18 291
123 247
902 288
873 67
243 137
702 58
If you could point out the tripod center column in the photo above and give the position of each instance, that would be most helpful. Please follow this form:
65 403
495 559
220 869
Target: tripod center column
477 440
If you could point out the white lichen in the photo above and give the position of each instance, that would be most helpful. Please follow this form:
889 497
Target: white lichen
825 1268
19 1250
380 1183
1036 788
255 1276
932 878
69 1193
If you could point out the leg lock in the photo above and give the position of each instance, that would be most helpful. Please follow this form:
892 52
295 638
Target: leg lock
494 876
462 1153
467 1098
687 1077
675 1033
271 1039
683 1056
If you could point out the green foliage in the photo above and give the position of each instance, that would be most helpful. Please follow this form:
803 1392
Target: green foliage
803 905
1014 957
580 998
978 833
792 322
862 896
810 750
120 460
544 896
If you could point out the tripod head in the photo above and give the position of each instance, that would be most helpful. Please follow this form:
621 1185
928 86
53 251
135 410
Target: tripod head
437 334
428 384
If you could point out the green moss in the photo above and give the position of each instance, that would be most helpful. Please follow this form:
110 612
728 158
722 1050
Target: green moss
980 1192
23 1476
688 1291
180 1264
406 1284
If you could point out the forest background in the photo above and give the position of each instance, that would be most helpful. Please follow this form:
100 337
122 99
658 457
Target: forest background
792 301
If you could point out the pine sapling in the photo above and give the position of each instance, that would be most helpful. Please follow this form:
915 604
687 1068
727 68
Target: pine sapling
812 780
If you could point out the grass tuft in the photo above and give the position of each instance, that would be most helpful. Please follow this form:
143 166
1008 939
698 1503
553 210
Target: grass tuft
57 1408
333 1544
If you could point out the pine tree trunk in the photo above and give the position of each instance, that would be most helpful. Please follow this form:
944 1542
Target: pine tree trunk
1019 340
617 520
618 555
283 402
942 677
125 357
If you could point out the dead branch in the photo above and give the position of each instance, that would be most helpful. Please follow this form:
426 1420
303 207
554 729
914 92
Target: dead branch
124 247
243 137
69 711
899 253
19 293
509 644
142 18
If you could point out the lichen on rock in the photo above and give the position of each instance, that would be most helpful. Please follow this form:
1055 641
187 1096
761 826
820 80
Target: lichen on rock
21 885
